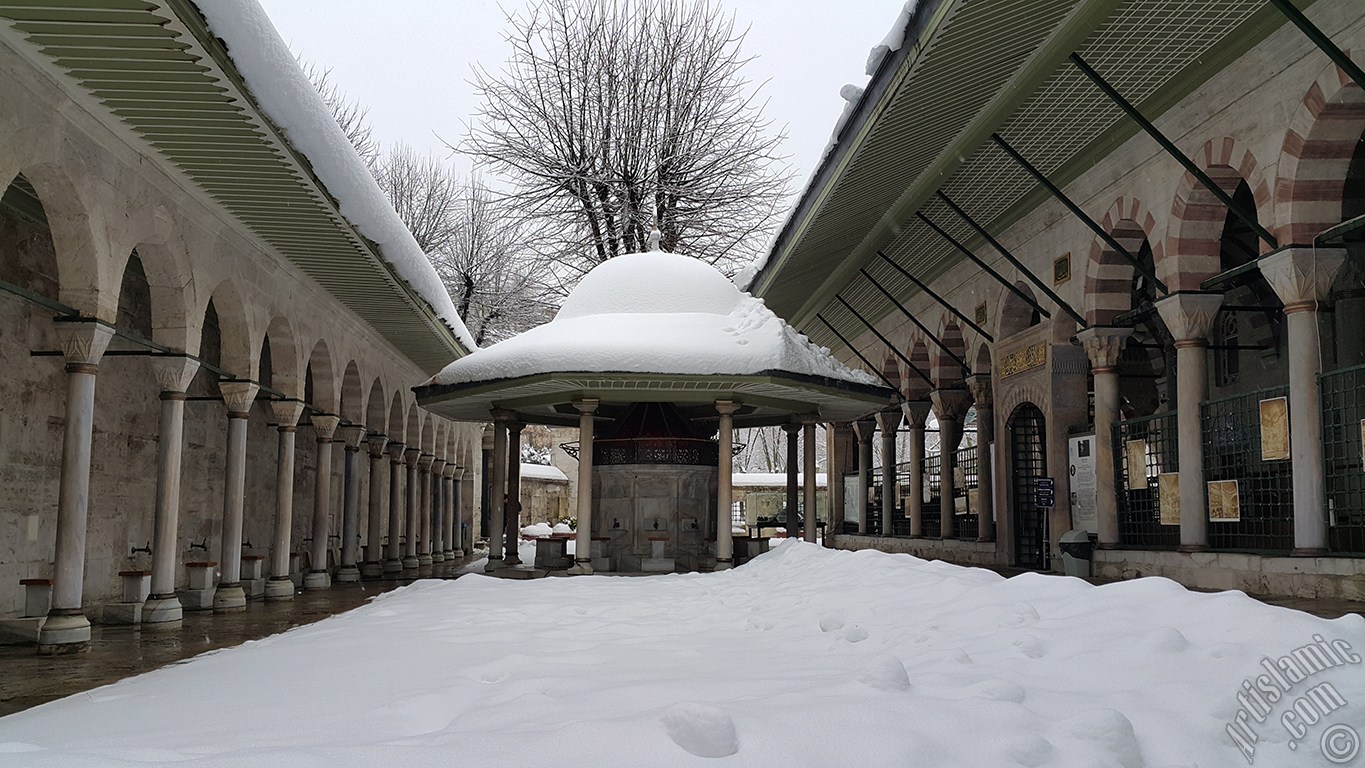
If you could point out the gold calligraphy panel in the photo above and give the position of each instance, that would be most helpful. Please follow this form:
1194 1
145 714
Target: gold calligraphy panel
1027 359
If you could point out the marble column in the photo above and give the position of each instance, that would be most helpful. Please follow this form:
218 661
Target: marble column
950 406
513 522
373 566
318 577
351 437
173 374
1189 317
725 543
412 528
839 437
450 528
864 429
1104 345
497 491
437 512
793 431
916 412
281 585
1302 278
83 343
393 549
808 467
582 564
229 597
456 480
888 422
980 387
424 463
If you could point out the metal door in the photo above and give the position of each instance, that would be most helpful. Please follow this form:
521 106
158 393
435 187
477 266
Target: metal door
1029 462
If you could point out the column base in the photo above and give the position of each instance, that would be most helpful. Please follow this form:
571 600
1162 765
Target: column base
512 559
581 568
370 571
437 558
724 565
162 612
63 634
1308 552
392 569
348 574
494 563
229 598
985 539
279 588
1194 548
317 580
410 563
449 555
457 554
1106 545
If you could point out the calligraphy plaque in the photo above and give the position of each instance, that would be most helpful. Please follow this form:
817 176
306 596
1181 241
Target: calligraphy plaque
1274 429
1029 358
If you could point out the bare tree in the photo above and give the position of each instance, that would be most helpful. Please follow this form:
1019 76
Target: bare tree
616 117
350 115
765 449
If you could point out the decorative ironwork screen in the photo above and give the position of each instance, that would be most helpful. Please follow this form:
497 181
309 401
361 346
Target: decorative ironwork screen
1257 511
1343 435
1145 449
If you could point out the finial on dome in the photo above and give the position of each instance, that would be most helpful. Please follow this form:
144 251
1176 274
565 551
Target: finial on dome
654 236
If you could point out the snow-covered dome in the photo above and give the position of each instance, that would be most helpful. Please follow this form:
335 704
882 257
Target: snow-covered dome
654 282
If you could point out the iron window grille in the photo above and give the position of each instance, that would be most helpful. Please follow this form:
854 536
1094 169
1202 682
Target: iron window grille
1264 503
1137 481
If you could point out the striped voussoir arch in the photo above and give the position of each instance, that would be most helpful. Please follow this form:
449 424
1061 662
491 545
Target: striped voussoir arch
947 374
1108 275
1322 139
1197 216
916 388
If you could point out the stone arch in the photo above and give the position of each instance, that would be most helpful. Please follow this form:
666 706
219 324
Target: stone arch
981 361
416 418
438 447
1197 216
323 386
398 418
428 444
285 361
891 369
916 388
33 264
376 415
166 269
352 396
237 349
1316 155
1108 275
946 373
1017 315
79 241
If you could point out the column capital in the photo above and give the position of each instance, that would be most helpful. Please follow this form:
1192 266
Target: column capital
809 419
587 404
325 425
395 450
376 441
951 404
1302 277
238 395
888 420
353 435
1103 343
173 372
792 428
1189 315
411 455
438 466
864 428
452 472
503 416
286 412
727 407
915 412
983 391
515 427
83 341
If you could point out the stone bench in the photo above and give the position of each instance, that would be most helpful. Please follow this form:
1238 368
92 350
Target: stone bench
203 578
657 562
37 597
136 586
253 576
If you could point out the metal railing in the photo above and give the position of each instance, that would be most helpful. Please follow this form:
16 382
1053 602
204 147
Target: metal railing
1256 511
1343 436
1144 449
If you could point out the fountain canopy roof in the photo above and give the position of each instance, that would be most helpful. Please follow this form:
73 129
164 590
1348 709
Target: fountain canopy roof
655 327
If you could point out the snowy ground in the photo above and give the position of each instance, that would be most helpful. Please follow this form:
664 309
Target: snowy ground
804 657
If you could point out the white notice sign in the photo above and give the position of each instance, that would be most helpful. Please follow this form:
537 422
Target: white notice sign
1081 461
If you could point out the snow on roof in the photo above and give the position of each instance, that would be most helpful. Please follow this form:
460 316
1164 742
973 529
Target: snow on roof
542 472
655 312
766 479
285 95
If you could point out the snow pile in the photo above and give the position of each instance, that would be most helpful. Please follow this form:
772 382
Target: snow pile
542 472
893 40
765 479
655 313
562 528
537 531
804 657
283 92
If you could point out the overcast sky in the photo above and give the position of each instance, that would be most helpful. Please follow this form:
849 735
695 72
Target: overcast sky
409 60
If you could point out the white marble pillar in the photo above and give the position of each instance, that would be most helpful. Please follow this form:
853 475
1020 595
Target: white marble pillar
916 412
497 491
173 374
950 406
1189 317
373 565
980 386
318 577
83 344
583 536
424 463
513 521
837 437
393 550
725 542
351 437
888 422
450 527
281 585
455 477
864 429
1302 278
808 467
412 528
1104 345
437 512
793 431
229 597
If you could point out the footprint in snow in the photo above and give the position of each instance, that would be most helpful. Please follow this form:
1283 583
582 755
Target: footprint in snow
762 625
1022 614
701 729
855 634
1031 646
831 624
1165 639
885 673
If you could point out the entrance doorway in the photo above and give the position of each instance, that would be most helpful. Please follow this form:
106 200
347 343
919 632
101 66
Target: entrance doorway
1028 462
